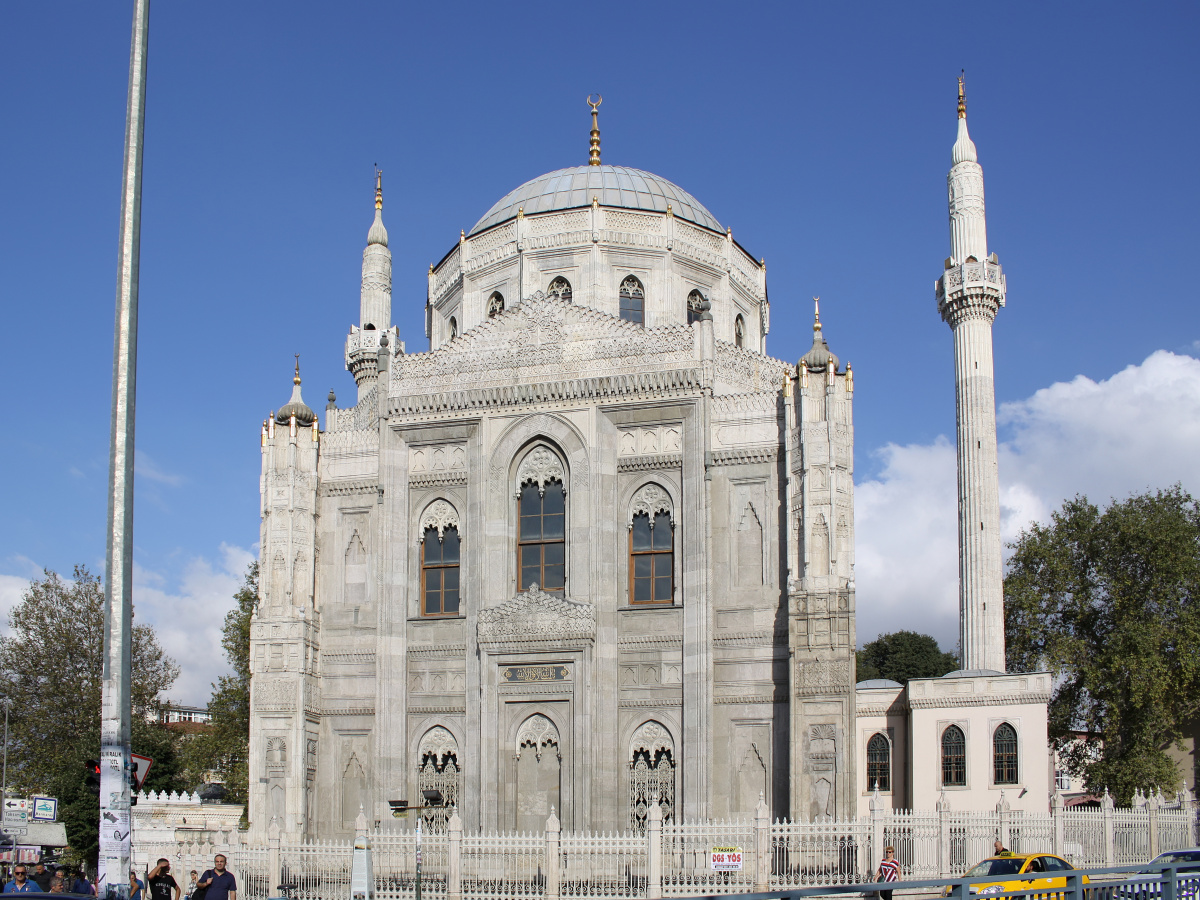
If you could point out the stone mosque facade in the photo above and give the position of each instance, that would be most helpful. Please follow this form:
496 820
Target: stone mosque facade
593 548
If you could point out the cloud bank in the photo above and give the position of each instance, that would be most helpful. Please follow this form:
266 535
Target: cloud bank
1138 430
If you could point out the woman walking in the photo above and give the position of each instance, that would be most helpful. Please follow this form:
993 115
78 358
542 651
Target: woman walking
889 871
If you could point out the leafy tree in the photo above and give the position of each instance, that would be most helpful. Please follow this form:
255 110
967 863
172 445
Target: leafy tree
51 666
903 655
223 749
1107 600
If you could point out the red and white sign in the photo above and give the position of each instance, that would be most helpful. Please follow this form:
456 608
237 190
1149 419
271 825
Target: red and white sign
725 859
141 768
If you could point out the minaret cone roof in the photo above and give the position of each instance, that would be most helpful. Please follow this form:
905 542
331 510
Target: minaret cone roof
820 356
964 147
296 406
378 234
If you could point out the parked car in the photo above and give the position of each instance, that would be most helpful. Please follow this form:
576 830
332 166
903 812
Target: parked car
1018 872
1147 884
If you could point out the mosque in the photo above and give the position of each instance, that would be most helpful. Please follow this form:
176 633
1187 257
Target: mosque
594 547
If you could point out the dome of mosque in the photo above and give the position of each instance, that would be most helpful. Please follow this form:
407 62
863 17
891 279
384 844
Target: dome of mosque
613 186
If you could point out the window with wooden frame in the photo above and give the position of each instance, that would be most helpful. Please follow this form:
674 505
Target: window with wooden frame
651 559
1004 754
954 757
541 536
879 763
439 572
633 301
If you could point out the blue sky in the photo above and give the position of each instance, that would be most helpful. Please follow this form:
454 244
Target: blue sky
820 134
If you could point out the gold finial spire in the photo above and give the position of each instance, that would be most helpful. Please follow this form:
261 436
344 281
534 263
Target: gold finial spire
816 316
296 379
594 149
378 188
962 95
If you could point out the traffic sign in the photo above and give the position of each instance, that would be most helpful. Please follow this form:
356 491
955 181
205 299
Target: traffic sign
140 766
45 809
16 810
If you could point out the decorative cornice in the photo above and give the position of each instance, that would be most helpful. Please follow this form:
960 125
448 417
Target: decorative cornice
437 479
347 711
650 462
750 698
1029 697
354 657
755 637
655 640
437 710
536 616
348 488
435 651
879 709
744 456
652 703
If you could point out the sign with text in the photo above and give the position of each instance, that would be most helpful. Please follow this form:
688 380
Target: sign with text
529 674
16 811
725 859
45 809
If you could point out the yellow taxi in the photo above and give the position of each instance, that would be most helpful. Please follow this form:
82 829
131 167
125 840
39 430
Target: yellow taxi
1018 872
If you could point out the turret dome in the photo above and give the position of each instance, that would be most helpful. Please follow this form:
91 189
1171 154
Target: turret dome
296 406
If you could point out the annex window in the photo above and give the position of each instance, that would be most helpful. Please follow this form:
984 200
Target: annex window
1004 754
560 289
541 544
495 305
633 301
695 306
439 572
879 763
739 331
954 757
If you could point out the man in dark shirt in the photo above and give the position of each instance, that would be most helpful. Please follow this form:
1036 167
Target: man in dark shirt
42 878
219 881
161 883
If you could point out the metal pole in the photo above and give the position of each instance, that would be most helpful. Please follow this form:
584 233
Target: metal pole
118 580
7 702
418 897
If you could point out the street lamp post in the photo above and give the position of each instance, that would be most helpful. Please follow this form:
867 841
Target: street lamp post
6 702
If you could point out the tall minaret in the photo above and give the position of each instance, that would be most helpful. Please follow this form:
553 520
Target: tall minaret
969 294
375 301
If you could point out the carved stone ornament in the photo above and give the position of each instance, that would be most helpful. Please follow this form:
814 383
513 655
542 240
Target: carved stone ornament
537 732
651 737
540 466
651 499
438 743
537 616
439 515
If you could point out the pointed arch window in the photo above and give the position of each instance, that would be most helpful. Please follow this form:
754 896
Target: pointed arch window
651 547
633 301
651 774
954 757
1004 754
438 770
879 763
495 305
694 306
739 331
560 289
440 555
453 328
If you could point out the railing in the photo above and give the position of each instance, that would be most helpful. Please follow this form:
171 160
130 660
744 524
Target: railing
686 848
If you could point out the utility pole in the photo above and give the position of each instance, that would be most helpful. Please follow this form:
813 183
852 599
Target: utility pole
118 580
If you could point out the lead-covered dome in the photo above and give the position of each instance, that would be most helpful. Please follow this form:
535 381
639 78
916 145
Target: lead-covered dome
613 186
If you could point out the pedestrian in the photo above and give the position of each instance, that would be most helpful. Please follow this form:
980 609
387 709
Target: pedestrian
21 883
57 886
82 885
135 886
1000 851
889 870
218 882
161 883
193 887
41 877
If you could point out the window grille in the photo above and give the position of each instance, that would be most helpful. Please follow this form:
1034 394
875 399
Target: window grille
954 757
1004 754
879 763
651 779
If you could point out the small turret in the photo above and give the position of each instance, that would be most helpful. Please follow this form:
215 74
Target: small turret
820 356
296 406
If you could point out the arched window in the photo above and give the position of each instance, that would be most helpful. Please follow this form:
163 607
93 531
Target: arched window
453 328
439 572
651 547
739 331
495 304
1004 754
438 771
694 306
954 757
879 763
633 301
651 774
541 544
560 289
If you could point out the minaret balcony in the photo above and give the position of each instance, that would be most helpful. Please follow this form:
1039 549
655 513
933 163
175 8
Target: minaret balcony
971 285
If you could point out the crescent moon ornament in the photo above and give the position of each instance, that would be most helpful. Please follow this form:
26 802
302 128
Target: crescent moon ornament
596 103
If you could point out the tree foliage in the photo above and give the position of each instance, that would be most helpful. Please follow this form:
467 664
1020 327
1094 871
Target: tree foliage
223 749
51 666
1107 600
903 655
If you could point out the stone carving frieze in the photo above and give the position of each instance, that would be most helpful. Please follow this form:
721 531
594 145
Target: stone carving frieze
538 733
822 676
536 616
439 743
439 515
651 737
273 693
651 499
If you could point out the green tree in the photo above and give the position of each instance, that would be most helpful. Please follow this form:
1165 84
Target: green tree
223 749
903 655
1107 600
51 666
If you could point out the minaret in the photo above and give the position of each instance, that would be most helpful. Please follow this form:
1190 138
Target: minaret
969 294
375 301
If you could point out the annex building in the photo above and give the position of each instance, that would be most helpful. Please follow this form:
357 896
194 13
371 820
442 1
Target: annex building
593 548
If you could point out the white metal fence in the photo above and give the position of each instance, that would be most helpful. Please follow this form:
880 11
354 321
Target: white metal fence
674 859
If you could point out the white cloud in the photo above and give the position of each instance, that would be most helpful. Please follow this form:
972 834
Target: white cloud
188 619
1137 430
147 468
12 588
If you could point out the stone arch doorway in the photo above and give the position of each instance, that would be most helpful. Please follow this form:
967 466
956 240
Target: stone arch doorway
539 773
